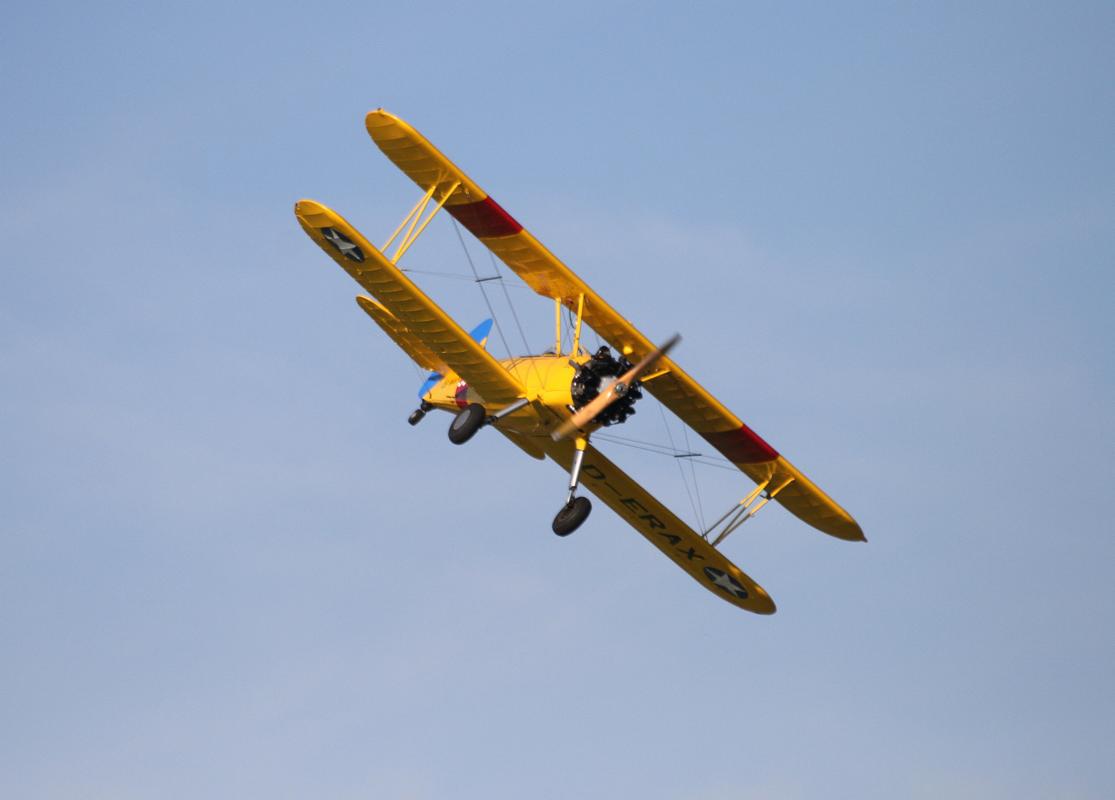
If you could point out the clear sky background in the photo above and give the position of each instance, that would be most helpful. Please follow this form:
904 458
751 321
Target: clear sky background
229 568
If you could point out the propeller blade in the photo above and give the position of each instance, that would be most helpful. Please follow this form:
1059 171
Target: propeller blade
615 391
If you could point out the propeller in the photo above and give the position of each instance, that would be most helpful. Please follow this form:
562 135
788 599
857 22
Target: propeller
614 392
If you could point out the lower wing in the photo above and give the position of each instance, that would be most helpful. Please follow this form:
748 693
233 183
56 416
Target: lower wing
662 528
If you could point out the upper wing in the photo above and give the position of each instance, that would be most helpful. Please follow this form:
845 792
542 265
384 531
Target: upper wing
408 306
542 271
663 529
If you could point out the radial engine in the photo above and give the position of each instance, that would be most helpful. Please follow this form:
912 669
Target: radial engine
597 374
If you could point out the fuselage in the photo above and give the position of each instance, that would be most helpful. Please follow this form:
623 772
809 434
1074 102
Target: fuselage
548 379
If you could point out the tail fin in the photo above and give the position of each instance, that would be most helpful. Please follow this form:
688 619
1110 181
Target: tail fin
481 331
480 334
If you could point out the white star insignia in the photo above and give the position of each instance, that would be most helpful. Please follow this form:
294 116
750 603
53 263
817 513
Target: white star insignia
725 582
343 244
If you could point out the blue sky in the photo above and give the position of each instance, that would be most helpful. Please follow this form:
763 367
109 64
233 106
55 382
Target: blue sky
886 232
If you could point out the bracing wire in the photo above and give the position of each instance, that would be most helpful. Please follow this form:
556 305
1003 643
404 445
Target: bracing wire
453 275
514 314
480 283
681 468
458 277
498 276
696 485
712 461
665 450
572 320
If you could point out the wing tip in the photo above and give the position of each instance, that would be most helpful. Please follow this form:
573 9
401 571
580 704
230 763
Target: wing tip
838 523
306 207
370 305
380 118
766 608
852 532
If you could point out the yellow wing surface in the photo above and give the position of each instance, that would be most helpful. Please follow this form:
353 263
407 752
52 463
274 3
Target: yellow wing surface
548 276
414 321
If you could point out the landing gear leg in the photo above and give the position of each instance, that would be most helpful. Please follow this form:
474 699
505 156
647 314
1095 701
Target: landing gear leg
576 509
511 409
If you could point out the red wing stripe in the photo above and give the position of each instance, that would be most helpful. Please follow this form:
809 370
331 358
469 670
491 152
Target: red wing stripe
742 446
485 218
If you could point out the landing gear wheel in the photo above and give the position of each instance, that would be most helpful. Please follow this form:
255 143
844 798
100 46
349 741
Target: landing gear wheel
467 423
419 413
571 516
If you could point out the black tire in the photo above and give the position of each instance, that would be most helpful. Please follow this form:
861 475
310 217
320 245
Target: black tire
416 417
571 516
467 423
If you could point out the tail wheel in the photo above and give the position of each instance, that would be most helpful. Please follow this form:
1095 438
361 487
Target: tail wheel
467 423
571 516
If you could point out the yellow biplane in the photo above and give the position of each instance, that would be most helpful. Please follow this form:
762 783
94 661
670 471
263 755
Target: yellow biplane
551 404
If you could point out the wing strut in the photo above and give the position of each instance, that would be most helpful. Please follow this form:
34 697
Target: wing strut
412 219
744 510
